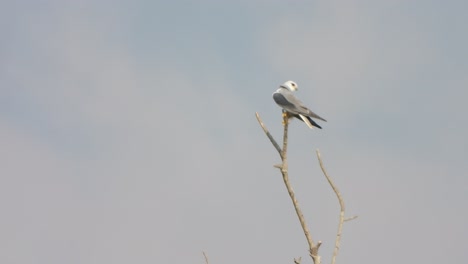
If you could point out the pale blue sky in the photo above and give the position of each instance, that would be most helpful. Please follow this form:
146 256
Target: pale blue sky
128 131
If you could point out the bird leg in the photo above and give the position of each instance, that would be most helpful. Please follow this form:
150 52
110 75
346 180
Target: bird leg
285 118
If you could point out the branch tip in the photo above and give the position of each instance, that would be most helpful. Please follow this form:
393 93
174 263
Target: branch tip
267 133
342 208
298 260
350 218
206 257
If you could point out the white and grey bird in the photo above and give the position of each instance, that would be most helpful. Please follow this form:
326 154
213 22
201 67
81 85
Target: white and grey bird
285 98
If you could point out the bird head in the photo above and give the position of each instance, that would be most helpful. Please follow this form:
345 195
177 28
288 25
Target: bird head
290 85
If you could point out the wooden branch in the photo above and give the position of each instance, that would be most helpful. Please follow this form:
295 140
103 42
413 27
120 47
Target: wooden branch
273 141
284 172
342 209
350 218
298 260
313 249
285 138
206 257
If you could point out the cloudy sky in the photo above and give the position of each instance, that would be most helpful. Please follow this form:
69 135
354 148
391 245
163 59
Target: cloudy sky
128 130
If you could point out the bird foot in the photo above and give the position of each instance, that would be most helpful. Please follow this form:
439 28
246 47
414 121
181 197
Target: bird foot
285 118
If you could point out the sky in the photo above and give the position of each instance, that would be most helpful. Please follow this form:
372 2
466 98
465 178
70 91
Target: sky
128 130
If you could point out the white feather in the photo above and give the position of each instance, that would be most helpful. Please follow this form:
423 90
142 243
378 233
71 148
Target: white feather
306 121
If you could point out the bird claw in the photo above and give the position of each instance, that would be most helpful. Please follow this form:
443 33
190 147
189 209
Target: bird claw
285 118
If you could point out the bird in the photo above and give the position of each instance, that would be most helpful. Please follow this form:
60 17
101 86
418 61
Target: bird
293 107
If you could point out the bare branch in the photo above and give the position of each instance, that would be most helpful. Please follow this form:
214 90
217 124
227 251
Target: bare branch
314 253
273 141
350 218
284 172
298 260
206 258
342 208
313 249
285 138
278 166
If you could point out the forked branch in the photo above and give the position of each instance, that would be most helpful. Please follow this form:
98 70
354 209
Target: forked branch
342 209
313 248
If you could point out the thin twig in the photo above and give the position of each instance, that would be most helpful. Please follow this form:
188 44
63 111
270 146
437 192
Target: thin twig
298 260
273 141
313 249
350 218
342 208
206 258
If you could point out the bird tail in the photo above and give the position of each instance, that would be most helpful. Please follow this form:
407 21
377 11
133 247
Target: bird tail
309 122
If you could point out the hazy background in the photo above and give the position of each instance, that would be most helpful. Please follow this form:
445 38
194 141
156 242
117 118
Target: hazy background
128 134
